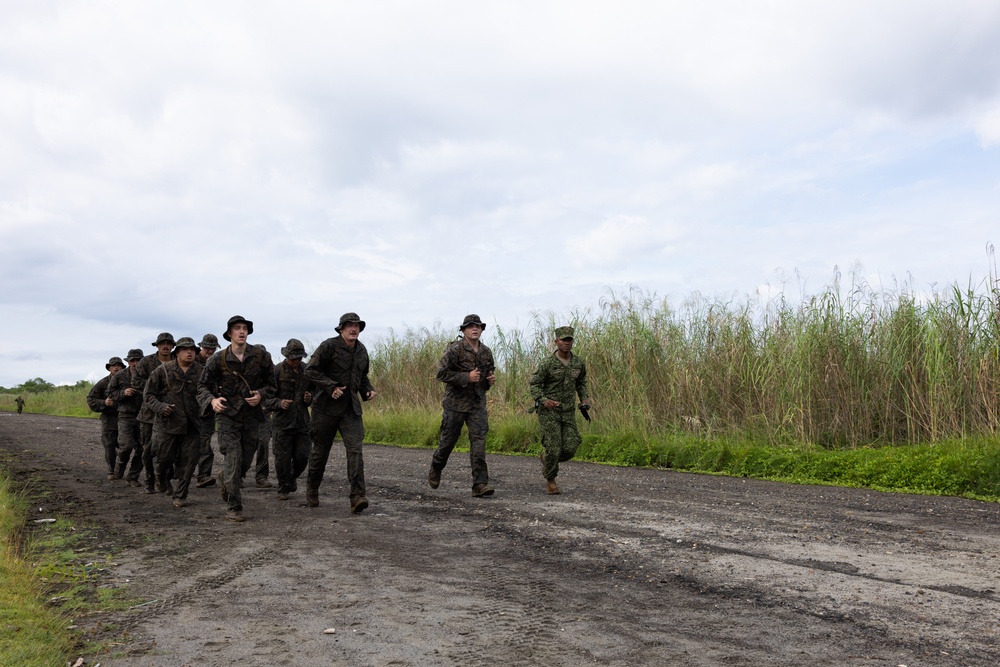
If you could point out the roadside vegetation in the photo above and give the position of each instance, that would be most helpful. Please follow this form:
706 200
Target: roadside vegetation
891 389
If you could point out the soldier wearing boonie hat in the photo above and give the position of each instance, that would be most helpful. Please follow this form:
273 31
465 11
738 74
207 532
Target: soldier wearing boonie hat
206 458
235 384
172 394
128 401
99 400
290 418
466 368
164 345
555 386
339 370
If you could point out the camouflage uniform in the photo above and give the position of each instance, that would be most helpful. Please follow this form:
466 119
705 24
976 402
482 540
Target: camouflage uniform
335 364
109 417
129 444
291 427
206 456
562 382
239 425
464 403
175 436
140 375
20 404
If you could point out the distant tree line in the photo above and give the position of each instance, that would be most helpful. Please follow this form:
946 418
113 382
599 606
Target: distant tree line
38 385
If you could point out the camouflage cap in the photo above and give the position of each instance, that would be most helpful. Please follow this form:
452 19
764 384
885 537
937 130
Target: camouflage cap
236 319
164 338
347 318
471 319
562 333
185 343
209 340
114 361
294 349
135 354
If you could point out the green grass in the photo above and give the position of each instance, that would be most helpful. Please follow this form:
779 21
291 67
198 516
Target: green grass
31 632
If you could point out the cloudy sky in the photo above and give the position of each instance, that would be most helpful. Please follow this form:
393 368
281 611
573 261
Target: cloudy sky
164 165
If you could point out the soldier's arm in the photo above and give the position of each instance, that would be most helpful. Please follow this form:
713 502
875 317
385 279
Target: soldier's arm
314 369
581 384
207 384
538 380
95 402
488 367
365 386
269 387
446 371
154 390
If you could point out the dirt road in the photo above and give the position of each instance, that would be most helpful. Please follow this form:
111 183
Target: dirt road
627 567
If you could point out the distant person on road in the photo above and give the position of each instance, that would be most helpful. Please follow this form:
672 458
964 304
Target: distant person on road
172 394
555 385
164 352
206 456
467 370
128 401
290 418
339 370
20 404
99 400
234 385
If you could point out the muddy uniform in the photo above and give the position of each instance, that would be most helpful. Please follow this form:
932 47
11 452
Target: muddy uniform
129 444
335 364
239 425
464 403
176 437
109 421
140 374
292 444
562 382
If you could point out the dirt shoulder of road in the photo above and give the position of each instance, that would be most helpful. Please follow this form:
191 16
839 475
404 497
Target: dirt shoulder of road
626 567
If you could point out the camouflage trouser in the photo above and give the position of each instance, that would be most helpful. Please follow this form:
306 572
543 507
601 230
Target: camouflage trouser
146 438
175 454
291 456
261 469
451 429
560 439
237 443
109 439
129 446
322 431
206 457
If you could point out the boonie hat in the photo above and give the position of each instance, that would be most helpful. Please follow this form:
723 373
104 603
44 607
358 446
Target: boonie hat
347 318
164 338
294 349
114 361
135 354
236 319
209 340
185 343
471 319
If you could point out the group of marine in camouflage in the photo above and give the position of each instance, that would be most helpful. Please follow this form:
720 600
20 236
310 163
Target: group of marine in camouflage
159 411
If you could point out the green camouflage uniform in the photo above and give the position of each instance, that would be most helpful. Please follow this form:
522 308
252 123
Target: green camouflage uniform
290 427
560 382
175 440
334 364
239 425
464 403
109 421
129 443
140 374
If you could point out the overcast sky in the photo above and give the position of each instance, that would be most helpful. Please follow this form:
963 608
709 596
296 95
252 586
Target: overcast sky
165 165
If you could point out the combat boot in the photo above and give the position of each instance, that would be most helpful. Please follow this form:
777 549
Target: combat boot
481 490
235 515
434 478
312 496
551 487
359 504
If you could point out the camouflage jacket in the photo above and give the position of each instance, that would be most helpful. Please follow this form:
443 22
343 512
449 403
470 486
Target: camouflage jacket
334 364
291 384
95 399
561 382
225 376
126 405
140 374
171 385
458 361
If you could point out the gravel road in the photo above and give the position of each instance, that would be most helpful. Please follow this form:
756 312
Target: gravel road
626 567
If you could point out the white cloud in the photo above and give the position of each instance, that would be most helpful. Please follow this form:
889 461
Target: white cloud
618 238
